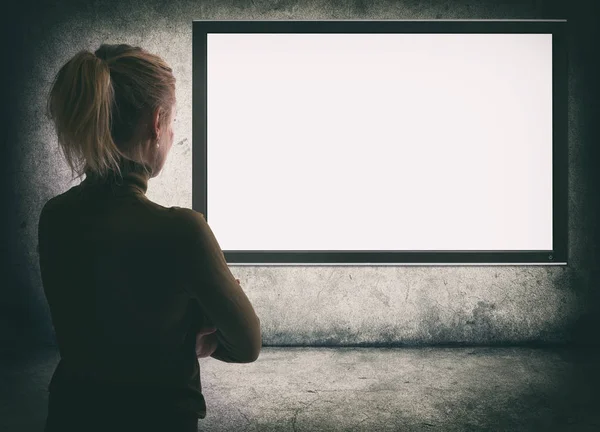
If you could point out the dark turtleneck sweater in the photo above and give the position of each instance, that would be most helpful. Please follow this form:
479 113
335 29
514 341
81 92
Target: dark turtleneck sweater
129 283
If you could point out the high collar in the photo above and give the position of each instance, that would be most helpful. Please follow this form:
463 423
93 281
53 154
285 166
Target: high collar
133 177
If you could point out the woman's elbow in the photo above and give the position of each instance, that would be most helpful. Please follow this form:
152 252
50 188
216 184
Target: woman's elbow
250 356
255 346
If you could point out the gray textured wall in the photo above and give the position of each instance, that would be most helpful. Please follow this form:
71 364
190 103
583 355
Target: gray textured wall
303 305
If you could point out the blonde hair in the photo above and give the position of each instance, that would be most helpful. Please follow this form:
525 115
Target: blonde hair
98 101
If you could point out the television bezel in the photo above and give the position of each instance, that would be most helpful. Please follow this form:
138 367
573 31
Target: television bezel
556 256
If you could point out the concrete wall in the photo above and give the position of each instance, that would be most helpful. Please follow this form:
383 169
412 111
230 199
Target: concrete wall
303 305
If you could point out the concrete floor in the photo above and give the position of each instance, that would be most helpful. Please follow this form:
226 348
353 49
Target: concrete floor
364 389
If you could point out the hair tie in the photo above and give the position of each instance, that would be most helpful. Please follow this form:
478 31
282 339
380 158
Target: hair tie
100 58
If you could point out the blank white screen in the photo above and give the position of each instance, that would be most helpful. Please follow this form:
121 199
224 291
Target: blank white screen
419 142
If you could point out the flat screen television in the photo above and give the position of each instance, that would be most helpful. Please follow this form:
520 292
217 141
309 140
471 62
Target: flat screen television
382 142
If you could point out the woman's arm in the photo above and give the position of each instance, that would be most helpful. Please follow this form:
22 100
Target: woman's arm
206 340
222 300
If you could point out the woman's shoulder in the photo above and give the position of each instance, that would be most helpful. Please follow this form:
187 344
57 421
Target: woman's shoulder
188 220
187 214
55 204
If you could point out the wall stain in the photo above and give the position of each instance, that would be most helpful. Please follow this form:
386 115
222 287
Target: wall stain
379 295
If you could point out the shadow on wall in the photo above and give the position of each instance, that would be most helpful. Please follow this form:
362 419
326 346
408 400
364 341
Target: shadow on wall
24 317
585 330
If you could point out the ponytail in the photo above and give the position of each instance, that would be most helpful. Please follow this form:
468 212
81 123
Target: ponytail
80 106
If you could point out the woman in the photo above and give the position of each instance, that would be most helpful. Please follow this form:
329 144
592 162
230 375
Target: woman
137 291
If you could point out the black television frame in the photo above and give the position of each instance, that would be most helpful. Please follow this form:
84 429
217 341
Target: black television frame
556 256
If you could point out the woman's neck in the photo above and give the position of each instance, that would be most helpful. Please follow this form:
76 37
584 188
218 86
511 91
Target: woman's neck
131 173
